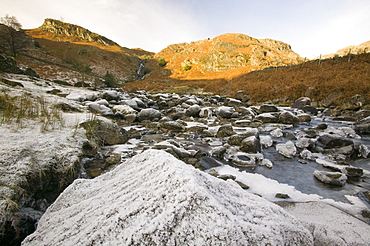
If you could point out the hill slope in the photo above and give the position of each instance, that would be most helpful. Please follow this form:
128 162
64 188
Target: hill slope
72 53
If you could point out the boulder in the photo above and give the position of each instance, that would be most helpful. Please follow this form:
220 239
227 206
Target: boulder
76 97
267 118
100 109
329 141
173 126
304 117
333 178
245 161
193 111
110 95
165 202
363 126
301 102
149 114
104 131
287 117
225 112
352 171
225 131
251 145
288 149
124 109
266 141
205 113
231 102
268 108
8 64
242 96
310 110
277 133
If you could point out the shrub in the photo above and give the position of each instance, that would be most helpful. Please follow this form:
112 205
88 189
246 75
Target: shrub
187 67
162 62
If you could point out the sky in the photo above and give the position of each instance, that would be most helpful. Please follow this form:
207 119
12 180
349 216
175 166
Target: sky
311 27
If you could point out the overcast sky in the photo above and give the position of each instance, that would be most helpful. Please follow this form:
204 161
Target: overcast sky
311 27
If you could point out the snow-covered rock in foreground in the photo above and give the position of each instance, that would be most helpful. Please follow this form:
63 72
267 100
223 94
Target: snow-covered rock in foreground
156 199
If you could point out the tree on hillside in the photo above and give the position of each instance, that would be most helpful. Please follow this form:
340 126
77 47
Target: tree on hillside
11 35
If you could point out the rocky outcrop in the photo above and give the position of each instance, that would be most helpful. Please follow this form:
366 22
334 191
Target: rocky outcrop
154 198
59 27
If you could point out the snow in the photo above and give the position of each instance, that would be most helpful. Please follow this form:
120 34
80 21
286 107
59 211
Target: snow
154 198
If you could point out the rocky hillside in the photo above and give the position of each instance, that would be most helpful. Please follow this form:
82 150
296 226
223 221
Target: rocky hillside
353 49
211 58
70 53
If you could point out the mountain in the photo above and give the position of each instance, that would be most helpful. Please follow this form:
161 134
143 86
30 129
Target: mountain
353 49
224 56
67 52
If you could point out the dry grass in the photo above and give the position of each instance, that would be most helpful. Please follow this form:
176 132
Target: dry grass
340 75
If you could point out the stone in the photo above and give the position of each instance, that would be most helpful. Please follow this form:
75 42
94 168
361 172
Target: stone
225 112
76 97
267 118
333 178
305 143
112 160
30 72
100 109
301 102
251 145
304 117
242 185
231 102
124 109
8 64
218 152
243 161
287 117
193 111
266 163
225 131
149 114
226 177
173 126
310 109
105 131
110 95
242 96
267 108
353 171
288 149
363 126
282 196
329 141
266 141
205 113
277 133
361 114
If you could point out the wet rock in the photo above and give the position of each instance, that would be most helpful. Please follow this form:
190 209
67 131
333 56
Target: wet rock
287 117
218 152
303 143
266 141
242 96
251 145
304 117
333 178
226 177
193 111
245 161
353 171
301 102
363 126
173 126
267 108
266 163
322 126
242 185
288 149
205 113
100 109
282 196
124 109
310 110
329 141
225 131
110 95
277 133
105 131
267 118
225 112
112 160
149 114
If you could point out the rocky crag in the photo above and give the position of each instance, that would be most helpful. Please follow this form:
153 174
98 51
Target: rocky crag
353 49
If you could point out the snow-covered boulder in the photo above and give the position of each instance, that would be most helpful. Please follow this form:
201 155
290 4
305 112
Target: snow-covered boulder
156 199
288 149
225 112
99 109
333 178
149 114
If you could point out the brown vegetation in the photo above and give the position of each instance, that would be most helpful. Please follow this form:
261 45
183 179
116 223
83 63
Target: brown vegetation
339 78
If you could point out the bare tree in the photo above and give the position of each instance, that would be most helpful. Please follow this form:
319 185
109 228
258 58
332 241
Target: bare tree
11 36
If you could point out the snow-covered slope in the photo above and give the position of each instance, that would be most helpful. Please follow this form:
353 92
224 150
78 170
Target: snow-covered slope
155 199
